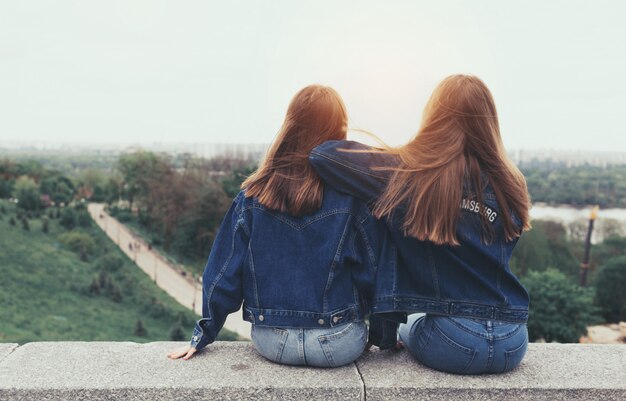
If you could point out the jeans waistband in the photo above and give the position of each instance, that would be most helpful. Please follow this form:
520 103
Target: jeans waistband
292 318
450 308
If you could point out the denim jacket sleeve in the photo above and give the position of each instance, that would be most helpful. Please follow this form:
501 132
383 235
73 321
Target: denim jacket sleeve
351 172
222 281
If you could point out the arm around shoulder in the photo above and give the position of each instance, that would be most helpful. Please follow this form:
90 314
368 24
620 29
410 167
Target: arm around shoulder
348 167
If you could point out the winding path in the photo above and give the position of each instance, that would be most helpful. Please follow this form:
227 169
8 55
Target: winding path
166 275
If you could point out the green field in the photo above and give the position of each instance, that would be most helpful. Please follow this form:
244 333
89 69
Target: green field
47 292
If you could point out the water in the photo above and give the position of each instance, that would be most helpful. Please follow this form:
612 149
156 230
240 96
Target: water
609 221
568 214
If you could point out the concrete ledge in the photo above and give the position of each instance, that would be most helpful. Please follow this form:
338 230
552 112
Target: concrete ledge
6 349
131 371
548 372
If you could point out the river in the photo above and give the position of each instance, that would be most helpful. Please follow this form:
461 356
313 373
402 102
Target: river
575 220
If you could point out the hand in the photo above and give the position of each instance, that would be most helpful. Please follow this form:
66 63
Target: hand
186 352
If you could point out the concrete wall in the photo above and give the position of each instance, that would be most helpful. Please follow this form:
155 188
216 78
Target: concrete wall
233 370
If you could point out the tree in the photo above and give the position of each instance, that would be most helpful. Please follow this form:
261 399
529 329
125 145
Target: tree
26 191
559 310
545 245
44 225
59 187
140 329
92 185
610 284
138 170
94 287
177 333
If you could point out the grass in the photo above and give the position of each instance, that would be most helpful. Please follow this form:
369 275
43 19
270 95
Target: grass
45 291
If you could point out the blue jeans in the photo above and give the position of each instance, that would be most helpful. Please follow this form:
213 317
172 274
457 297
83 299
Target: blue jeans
325 348
464 346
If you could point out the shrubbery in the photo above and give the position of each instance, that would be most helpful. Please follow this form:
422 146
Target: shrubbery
78 242
559 310
610 286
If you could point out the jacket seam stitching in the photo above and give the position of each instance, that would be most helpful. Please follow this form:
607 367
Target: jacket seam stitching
351 166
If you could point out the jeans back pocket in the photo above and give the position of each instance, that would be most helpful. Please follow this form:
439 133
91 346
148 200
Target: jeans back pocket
443 353
269 341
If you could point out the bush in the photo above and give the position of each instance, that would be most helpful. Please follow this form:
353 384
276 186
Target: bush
12 221
559 310
26 191
610 287
68 218
109 263
45 226
79 243
25 224
83 218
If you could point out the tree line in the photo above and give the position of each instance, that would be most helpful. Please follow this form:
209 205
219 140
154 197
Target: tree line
578 186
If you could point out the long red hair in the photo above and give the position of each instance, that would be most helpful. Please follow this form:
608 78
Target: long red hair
285 180
458 140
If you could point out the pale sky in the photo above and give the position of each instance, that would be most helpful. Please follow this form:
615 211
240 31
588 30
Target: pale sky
224 71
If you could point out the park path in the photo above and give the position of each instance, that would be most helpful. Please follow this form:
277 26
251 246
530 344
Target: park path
167 276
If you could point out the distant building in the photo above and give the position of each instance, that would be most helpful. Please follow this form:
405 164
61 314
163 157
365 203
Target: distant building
525 158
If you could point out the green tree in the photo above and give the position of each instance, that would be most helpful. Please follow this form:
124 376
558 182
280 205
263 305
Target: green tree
139 170
140 329
177 333
559 310
26 191
59 187
610 284
545 245
232 182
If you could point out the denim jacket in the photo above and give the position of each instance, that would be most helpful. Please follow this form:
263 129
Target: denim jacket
312 271
471 280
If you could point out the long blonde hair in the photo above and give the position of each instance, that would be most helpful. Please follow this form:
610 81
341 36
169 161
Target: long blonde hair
458 140
285 180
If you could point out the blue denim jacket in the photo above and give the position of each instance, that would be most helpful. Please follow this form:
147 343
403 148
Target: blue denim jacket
312 271
471 280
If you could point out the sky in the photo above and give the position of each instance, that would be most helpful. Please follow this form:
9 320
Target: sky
216 71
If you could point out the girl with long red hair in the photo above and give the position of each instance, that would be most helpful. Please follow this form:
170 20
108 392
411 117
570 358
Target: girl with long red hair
455 206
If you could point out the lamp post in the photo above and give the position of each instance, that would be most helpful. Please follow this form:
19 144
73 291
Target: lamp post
584 266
